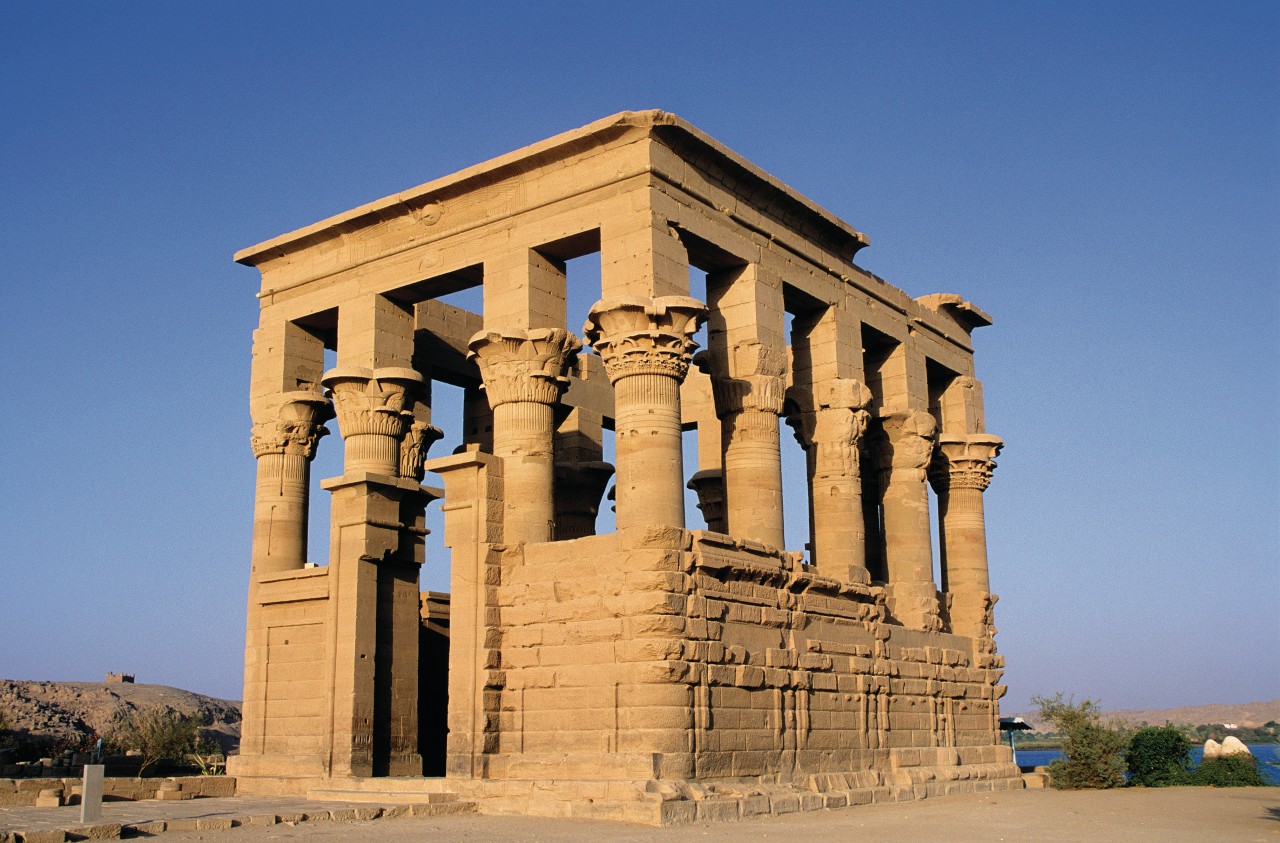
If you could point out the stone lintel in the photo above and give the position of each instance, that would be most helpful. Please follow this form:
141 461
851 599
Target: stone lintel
469 457
402 484
965 313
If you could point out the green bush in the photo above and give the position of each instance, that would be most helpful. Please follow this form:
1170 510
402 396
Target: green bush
1095 752
1226 771
1157 756
156 733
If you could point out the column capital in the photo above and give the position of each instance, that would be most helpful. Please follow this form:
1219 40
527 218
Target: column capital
579 488
519 365
964 461
754 377
908 442
372 401
708 485
297 428
637 336
413 448
833 410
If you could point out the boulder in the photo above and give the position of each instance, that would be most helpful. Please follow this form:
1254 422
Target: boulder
1212 749
1234 746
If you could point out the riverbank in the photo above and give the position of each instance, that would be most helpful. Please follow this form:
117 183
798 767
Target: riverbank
1266 754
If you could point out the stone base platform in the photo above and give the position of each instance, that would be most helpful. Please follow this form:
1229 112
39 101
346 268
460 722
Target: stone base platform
151 817
669 803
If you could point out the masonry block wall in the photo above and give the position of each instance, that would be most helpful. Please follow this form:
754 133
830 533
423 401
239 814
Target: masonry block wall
619 667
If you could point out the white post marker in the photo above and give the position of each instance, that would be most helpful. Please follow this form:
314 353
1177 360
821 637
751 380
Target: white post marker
91 794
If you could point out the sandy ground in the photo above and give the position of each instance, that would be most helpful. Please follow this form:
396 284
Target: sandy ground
1173 814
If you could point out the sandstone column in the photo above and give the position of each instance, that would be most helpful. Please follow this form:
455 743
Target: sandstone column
748 391
646 344
523 374
829 424
960 473
746 358
374 577
285 448
906 450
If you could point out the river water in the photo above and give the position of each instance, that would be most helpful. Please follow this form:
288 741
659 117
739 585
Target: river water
1268 755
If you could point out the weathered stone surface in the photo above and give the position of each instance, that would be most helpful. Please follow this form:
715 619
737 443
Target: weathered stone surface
643 670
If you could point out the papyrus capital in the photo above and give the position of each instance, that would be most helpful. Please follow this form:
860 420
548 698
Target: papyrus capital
297 428
524 365
636 336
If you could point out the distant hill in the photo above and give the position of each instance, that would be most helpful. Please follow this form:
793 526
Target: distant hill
75 710
1242 714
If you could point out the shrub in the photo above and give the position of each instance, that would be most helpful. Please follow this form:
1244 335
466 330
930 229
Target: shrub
1157 756
156 733
1226 771
1095 752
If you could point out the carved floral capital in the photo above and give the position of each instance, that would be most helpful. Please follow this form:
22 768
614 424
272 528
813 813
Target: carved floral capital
372 401
708 485
753 378
831 418
297 428
907 443
639 336
524 365
964 461
413 448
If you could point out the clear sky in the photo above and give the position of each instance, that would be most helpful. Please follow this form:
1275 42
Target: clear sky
1104 178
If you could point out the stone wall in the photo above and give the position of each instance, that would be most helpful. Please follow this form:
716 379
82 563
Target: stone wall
16 793
689 656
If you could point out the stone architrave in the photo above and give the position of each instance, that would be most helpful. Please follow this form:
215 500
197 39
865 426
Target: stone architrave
284 448
960 473
906 449
646 345
829 422
524 377
749 390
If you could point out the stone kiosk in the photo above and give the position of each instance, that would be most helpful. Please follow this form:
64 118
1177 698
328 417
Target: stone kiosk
665 672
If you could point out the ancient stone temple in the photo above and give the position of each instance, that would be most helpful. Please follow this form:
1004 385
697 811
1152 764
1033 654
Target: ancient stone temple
663 671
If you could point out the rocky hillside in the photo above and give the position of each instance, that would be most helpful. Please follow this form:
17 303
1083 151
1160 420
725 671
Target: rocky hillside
73 711
1252 714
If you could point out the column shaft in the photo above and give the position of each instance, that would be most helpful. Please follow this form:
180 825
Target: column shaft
522 436
913 595
645 345
829 422
285 448
374 569
280 513
650 460
753 476
960 472
964 539
524 377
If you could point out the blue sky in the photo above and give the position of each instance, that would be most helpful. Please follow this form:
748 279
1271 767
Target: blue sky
1104 178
